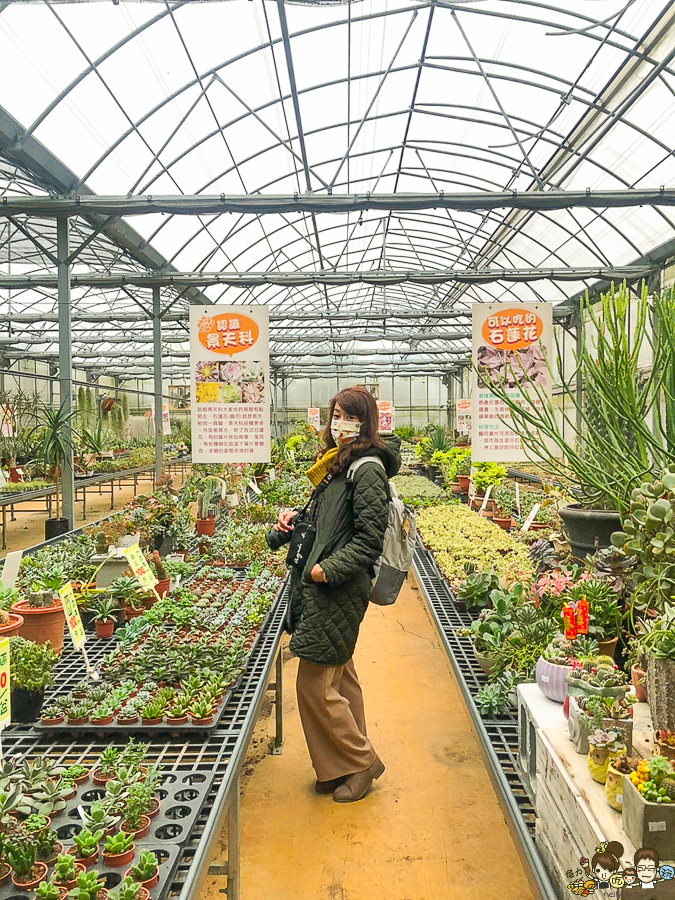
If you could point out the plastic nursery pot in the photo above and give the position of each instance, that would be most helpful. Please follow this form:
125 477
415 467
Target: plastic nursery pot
43 624
585 527
503 521
150 883
55 527
207 526
58 850
98 777
139 832
154 806
5 872
116 860
638 679
105 629
180 720
26 705
82 778
12 627
84 861
205 721
162 587
126 720
156 720
54 721
132 613
106 720
38 874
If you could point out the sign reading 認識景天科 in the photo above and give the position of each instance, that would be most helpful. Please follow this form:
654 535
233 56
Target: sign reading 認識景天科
229 361
511 344
314 417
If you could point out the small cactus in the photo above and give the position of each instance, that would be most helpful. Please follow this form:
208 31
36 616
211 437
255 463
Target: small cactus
668 784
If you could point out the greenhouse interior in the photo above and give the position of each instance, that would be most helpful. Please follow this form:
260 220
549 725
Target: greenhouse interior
337 449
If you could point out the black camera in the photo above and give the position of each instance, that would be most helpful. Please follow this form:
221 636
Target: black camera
277 539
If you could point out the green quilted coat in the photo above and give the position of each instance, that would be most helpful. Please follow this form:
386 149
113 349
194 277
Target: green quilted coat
350 521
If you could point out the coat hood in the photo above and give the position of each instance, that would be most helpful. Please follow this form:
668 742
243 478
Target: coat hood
390 454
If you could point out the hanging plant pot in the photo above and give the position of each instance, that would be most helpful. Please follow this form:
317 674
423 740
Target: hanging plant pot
206 526
589 527
26 705
13 626
42 624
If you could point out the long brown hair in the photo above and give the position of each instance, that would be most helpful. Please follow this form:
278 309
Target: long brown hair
358 402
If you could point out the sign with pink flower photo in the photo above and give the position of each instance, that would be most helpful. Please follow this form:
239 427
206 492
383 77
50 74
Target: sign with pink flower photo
230 399
511 345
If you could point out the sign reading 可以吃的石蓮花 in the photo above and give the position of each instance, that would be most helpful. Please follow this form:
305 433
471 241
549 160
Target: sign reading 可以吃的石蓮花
230 385
512 344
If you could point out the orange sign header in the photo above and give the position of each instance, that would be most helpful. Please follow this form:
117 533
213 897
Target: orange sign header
512 329
227 333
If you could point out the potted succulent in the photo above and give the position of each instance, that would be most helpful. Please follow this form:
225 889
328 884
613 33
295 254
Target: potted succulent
99 818
48 890
43 619
85 846
598 677
463 473
486 475
32 673
603 747
118 849
649 805
145 871
556 662
10 622
52 714
21 854
206 520
128 889
604 614
176 713
89 886
163 579
54 443
66 870
201 712
104 616
586 714
77 774
48 846
107 766
614 783
637 664
153 712
102 543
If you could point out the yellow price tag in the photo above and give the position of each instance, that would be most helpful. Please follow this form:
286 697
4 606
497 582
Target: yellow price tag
140 567
73 618
5 690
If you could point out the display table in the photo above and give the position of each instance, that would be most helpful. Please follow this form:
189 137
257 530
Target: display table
573 816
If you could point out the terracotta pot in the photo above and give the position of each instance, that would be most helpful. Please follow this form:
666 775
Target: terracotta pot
206 526
504 522
81 721
539 526
132 613
205 721
154 807
162 587
13 626
55 721
58 850
141 831
119 859
463 481
104 629
5 872
149 884
607 648
98 777
154 721
83 778
41 624
550 678
638 679
39 874
455 487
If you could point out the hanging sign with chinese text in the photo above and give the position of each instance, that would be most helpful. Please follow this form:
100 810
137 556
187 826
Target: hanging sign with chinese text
140 566
314 417
511 344
464 415
229 361
5 685
385 415
73 618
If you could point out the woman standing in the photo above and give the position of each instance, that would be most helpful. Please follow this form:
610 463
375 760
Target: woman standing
329 597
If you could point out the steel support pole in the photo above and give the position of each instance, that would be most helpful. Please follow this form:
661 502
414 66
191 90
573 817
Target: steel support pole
234 845
579 378
452 421
65 367
410 398
157 377
284 398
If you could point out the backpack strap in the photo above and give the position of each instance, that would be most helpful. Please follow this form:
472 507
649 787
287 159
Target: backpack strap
356 465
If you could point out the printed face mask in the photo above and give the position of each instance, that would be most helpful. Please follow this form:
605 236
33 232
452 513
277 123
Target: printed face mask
344 430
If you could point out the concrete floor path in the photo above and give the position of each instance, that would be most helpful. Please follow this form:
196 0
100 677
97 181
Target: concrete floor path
431 829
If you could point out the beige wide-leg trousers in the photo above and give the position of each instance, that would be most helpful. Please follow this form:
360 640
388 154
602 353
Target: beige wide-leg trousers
330 703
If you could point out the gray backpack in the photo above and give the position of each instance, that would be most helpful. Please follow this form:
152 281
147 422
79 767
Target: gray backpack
399 543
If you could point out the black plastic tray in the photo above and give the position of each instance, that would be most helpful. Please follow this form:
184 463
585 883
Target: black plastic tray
182 796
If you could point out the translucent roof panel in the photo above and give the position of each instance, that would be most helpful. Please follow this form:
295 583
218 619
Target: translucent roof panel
382 96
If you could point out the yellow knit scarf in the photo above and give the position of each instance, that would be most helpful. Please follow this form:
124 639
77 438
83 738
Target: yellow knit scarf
320 468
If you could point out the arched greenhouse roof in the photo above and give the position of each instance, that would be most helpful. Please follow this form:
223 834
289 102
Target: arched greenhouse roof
379 97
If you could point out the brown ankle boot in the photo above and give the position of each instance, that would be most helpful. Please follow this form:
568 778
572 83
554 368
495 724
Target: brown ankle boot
356 786
327 787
